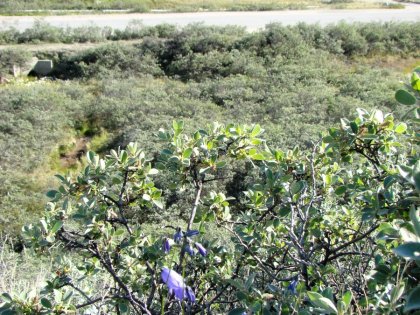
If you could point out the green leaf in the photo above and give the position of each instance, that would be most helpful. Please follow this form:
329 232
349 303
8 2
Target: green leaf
250 281
204 170
50 239
415 219
397 292
389 180
187 153
58 296
256 130
9 312
413 300
354 127
90 156
124 308
409 250
341 307
415 81
411 174
328 139
237 311
52 194
326 304
297 187
67 296
178 126
158 203
241 296
153 171
404 97
6 297
347 298
56 227
401 128
119 232
46 303
258 157
340 190
124 156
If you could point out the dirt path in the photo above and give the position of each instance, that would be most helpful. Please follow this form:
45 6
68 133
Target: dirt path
80 148
64 47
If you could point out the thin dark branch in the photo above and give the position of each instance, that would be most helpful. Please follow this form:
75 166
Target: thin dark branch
347 254
90 302
334 251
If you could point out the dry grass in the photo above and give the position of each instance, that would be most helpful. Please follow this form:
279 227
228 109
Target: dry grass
20 271
395 63
24 272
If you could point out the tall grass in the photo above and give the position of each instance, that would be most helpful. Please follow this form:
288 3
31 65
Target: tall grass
20 271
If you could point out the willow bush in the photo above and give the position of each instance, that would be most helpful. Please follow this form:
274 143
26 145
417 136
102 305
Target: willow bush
332 229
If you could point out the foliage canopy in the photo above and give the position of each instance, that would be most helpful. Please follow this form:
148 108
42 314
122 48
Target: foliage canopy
321 230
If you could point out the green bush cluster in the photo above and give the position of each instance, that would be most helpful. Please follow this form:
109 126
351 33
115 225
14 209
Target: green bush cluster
348 39
42 32
331 229
114 94
199 52
13 57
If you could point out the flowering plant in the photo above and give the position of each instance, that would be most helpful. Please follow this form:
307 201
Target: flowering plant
309 232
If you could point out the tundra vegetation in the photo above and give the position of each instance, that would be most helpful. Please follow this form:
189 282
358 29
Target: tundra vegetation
266 211
42 6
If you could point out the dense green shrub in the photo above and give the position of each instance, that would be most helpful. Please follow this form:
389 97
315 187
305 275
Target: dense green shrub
108 60
337 209
341 215
13 57
226 75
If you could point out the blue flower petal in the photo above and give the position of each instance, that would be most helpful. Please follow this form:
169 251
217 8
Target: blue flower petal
189 250
190 295
178 236
201 249
166 246
190 233
292 286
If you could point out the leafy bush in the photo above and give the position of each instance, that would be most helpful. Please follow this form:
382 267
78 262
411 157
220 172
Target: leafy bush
13 57
312 232
120 92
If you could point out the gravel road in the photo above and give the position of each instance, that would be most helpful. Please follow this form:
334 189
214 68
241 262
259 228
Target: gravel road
251 20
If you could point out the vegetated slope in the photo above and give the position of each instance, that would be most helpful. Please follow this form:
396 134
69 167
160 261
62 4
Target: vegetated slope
14 6
295 81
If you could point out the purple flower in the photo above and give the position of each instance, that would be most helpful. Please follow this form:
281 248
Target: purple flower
201 249
176 285
190 233
174 281
292 286
178 236
166 245
189 250
190 295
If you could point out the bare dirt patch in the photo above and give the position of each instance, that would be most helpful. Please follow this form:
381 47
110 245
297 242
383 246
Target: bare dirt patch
71 158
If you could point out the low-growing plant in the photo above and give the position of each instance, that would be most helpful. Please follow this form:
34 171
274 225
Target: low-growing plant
316 231
10 58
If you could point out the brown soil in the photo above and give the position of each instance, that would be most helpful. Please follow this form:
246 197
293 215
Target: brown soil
65 47
71 158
